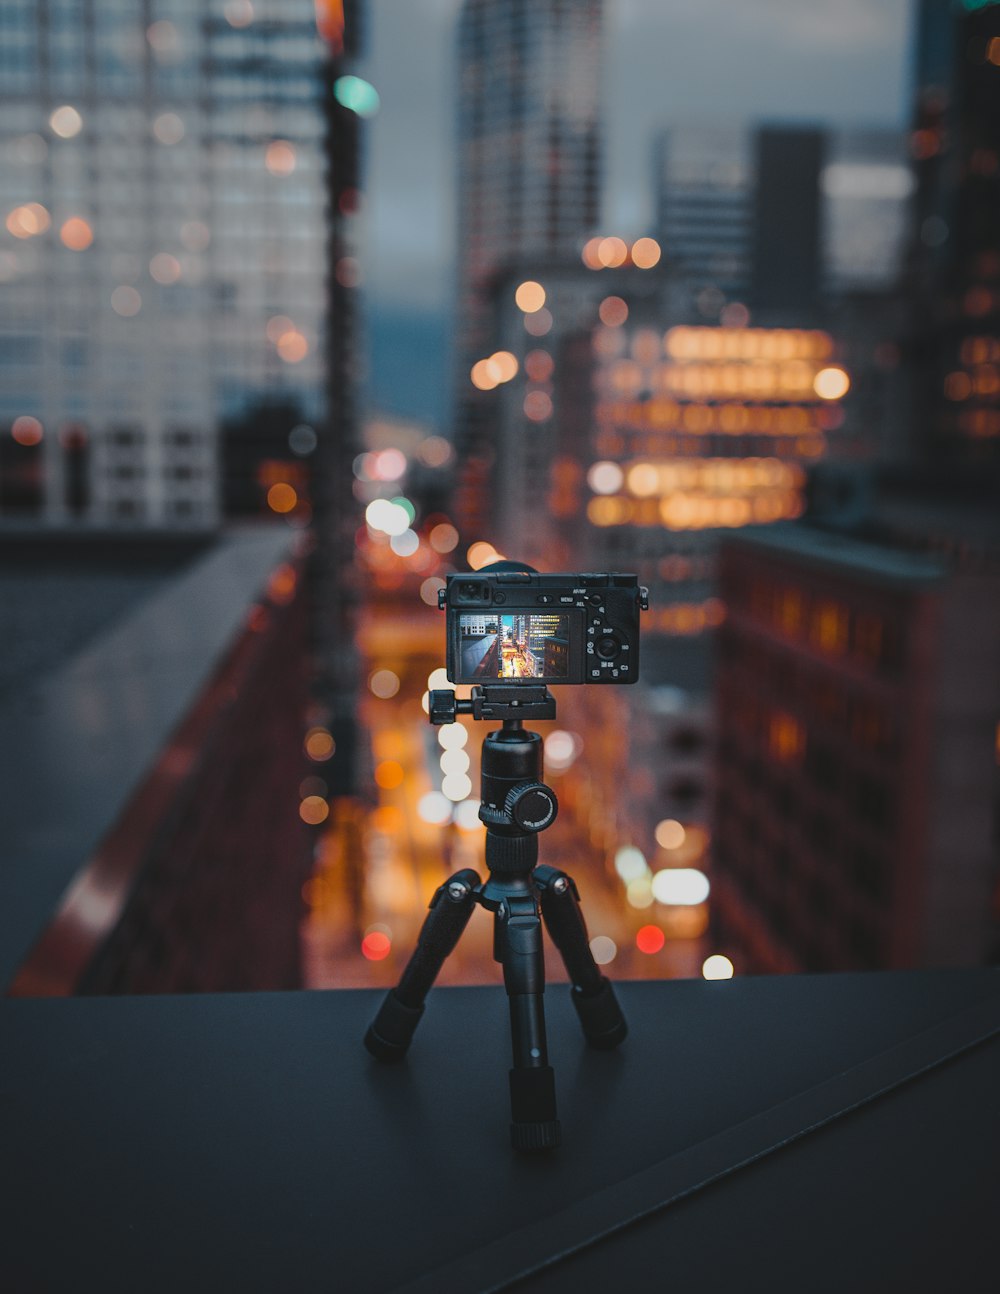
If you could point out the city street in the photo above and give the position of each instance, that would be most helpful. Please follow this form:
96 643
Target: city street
379 863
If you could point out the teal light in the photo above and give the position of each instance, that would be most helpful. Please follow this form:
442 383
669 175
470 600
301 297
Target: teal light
407 507
360 96
973 5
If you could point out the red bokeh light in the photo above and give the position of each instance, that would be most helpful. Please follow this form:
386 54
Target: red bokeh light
650 939
376 946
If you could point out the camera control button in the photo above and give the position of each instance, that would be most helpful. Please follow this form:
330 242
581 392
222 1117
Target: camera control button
544 599
595 599
499 597
608 647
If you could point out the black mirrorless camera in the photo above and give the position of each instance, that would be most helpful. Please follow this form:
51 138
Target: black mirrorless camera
517 625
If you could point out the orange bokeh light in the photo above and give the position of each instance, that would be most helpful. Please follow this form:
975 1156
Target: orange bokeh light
76 234
314 810
319 745
282 497
389 774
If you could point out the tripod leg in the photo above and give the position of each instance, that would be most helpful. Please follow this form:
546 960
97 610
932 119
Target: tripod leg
593 996
391 1031
518 941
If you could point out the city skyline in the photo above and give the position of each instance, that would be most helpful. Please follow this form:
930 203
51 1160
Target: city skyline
782 62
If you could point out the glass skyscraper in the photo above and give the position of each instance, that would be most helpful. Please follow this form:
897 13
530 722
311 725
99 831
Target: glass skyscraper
529 180
163 253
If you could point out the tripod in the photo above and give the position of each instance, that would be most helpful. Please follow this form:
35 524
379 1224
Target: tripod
515 806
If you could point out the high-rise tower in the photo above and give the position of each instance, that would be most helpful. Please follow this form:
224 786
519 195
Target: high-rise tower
528 176
162 255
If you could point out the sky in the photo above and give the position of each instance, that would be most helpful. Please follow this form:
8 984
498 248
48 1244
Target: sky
666 63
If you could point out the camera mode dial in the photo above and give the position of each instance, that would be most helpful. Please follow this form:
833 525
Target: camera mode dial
532 806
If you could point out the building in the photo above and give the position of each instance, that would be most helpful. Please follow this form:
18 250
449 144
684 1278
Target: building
954 342
528 179
163 257
782 218
857 789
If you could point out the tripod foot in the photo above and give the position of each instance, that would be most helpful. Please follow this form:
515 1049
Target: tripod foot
601 1017
390 1033
533 1110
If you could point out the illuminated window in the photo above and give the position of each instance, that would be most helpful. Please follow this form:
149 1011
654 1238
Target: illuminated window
786 738
790 612
829 628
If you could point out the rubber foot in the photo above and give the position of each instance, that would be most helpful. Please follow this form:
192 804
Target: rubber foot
530 1138
601 1017
391 1032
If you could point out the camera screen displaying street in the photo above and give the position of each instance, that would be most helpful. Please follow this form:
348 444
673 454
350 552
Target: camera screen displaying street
523 645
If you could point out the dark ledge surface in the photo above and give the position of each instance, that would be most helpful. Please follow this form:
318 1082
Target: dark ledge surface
813 1132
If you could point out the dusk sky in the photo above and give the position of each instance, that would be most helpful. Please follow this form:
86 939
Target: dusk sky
667 63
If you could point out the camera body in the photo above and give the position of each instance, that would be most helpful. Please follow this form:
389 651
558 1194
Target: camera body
520 626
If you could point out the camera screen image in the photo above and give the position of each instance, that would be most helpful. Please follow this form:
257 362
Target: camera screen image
525 644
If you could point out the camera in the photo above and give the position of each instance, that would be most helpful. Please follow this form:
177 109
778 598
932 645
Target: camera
510 622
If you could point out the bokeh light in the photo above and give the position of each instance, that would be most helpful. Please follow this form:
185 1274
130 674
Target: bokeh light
670 834
238 13
650 939
406 544
630 863
612 252
717 967
454 761
603 949
481 554
434 808
443 537
434 451
389 774
27 431
282 497
530 296
66 121
831 383
684 886
280 157
293 347
76 234
613 312
314 810
539 365
605 478
539 323
164 268
126 301
466 815
645 253
376 945
561 749
453 736
319 744
429 590
383 683
457 786
168 129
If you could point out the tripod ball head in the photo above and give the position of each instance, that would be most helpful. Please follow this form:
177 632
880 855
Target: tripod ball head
532 806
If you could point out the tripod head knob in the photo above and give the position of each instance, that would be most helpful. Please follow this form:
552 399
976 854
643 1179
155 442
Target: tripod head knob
532 806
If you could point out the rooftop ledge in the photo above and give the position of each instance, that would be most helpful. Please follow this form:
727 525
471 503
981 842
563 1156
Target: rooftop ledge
80 740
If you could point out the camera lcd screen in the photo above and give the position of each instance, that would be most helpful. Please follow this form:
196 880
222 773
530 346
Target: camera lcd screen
523 644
